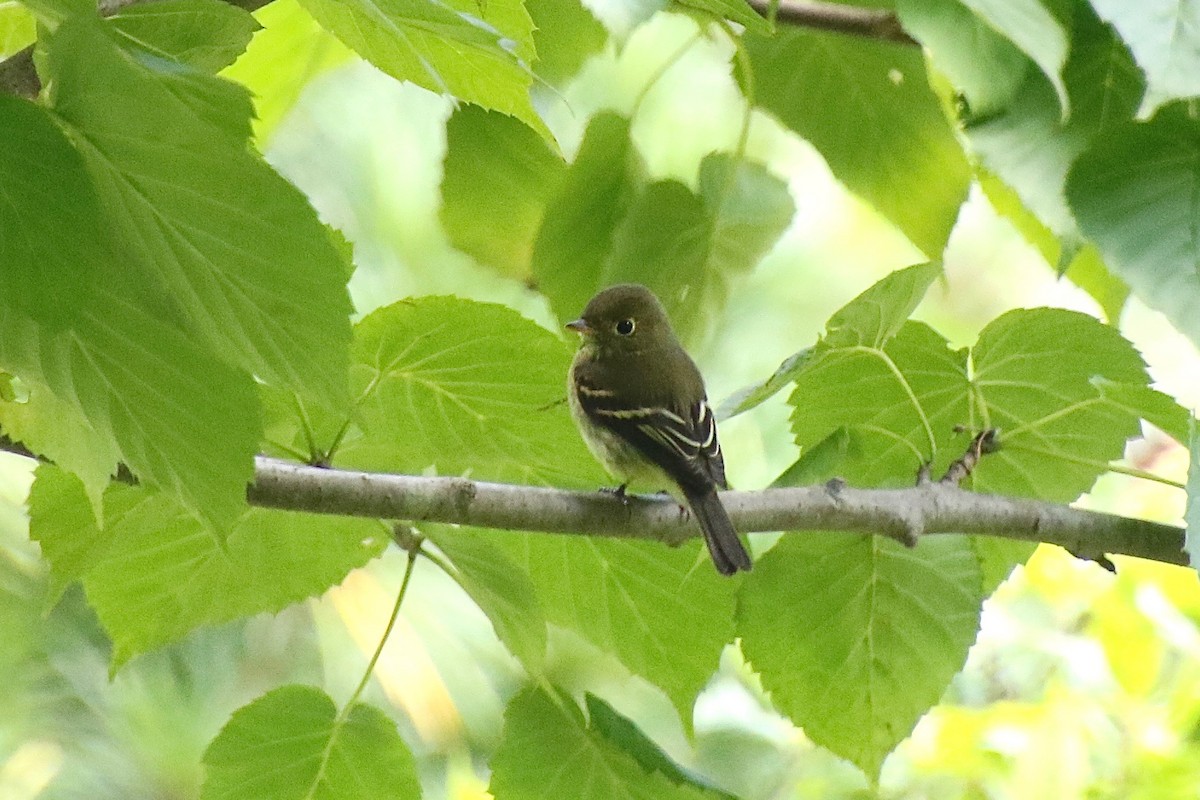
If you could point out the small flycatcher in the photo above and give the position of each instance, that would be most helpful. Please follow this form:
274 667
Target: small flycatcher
639 402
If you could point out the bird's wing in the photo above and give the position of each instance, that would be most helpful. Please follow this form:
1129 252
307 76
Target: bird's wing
681 441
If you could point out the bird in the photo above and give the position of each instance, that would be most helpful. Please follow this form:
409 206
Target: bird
641 408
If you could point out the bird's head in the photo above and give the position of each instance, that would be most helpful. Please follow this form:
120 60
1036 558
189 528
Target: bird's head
624 318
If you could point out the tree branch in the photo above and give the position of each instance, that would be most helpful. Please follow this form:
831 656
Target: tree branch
870 23
903 514
17 75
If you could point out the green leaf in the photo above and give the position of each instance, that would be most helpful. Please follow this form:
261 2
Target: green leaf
870 319
292 744
1031 27
685 246
52 12
547 751
291 50
478 52
1040 376
1164 36
981 63
1008 204
62 523
1044 377
1031 148
998 557
756 394
1136 194
45 191
1081 265
154 573
622 732
565 34
1106 85
878 314
855 637
827 459
18 28
464 387
747 210
59 431
661 242
204 34
191 431
500 588
854 452
625 734
297 430
909 394
214 235
498 176
1160 410
867 107
1034 371
663 612
1087 271
582 216
735 10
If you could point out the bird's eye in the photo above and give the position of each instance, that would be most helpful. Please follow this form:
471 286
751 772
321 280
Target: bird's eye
625 327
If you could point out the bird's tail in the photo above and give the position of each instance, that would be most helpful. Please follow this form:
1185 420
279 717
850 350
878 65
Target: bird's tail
724 546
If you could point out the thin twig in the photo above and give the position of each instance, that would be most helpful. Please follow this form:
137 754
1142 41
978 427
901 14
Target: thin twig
344 715
981 444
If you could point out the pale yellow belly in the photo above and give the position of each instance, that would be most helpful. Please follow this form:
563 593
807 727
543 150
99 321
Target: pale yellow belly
621 459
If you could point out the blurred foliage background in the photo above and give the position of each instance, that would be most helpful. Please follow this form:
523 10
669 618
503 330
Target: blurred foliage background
1081 684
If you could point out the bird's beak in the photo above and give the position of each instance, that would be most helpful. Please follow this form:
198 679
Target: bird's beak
579 326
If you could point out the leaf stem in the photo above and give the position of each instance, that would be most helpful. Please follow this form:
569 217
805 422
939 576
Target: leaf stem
979 404
306 427
772 11
662 70
442 564
344 715
337 439
342 431
291 451
743 59
739 153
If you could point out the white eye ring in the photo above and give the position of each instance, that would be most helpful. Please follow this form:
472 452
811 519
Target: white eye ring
625 327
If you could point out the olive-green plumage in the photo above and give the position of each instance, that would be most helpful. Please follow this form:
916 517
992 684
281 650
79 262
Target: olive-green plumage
639 401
